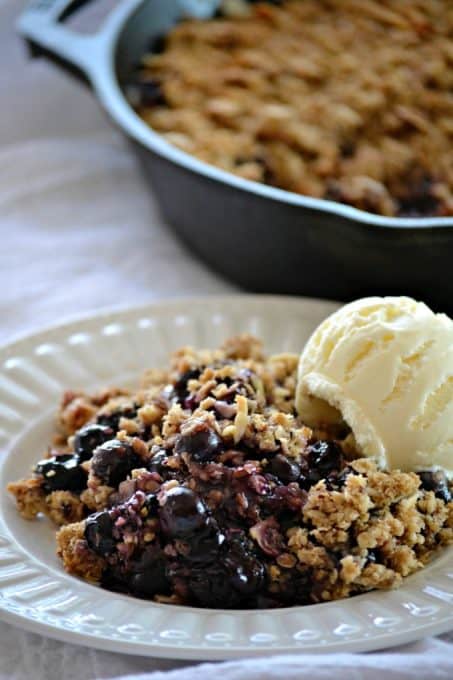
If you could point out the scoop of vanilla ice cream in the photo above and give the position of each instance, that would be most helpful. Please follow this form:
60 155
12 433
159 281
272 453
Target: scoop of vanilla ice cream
385 366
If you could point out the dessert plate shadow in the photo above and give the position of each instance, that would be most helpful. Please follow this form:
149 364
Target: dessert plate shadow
114 348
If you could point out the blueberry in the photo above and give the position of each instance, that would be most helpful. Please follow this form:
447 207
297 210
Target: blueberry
226 583
61 473
210 587
151 92
373 556
113 419
113 461
99 533
183 513
420 199
114 578
324 458
233 577
337 480
145 91
204 545
157 43
238 385
147 575
89 438
285 469
202 444
180 386
191 402
157 462
246 575
436 480
151 504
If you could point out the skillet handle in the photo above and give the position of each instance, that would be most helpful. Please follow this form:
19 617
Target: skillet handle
86 56
40 25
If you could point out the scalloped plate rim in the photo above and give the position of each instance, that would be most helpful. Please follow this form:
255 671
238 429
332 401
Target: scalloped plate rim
91 315
204 653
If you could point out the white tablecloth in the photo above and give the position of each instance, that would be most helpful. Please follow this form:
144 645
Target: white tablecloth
79 232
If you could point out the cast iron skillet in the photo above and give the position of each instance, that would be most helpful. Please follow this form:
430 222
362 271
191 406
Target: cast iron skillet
263 238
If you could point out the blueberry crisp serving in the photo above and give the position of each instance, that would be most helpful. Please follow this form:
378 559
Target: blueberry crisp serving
204 487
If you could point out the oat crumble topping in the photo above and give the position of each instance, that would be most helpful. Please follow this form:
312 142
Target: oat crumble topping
339 99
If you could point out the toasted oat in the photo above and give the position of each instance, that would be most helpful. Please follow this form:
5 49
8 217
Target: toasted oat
345 100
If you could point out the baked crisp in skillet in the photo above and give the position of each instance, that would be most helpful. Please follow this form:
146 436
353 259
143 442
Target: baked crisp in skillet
203 488
339 99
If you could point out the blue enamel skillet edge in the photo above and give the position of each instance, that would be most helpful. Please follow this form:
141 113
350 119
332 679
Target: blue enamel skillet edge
264 239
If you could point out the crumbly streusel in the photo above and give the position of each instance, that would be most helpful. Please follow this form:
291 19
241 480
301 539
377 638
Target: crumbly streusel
204 488
338 99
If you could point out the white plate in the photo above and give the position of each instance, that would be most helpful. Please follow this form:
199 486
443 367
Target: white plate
36 594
